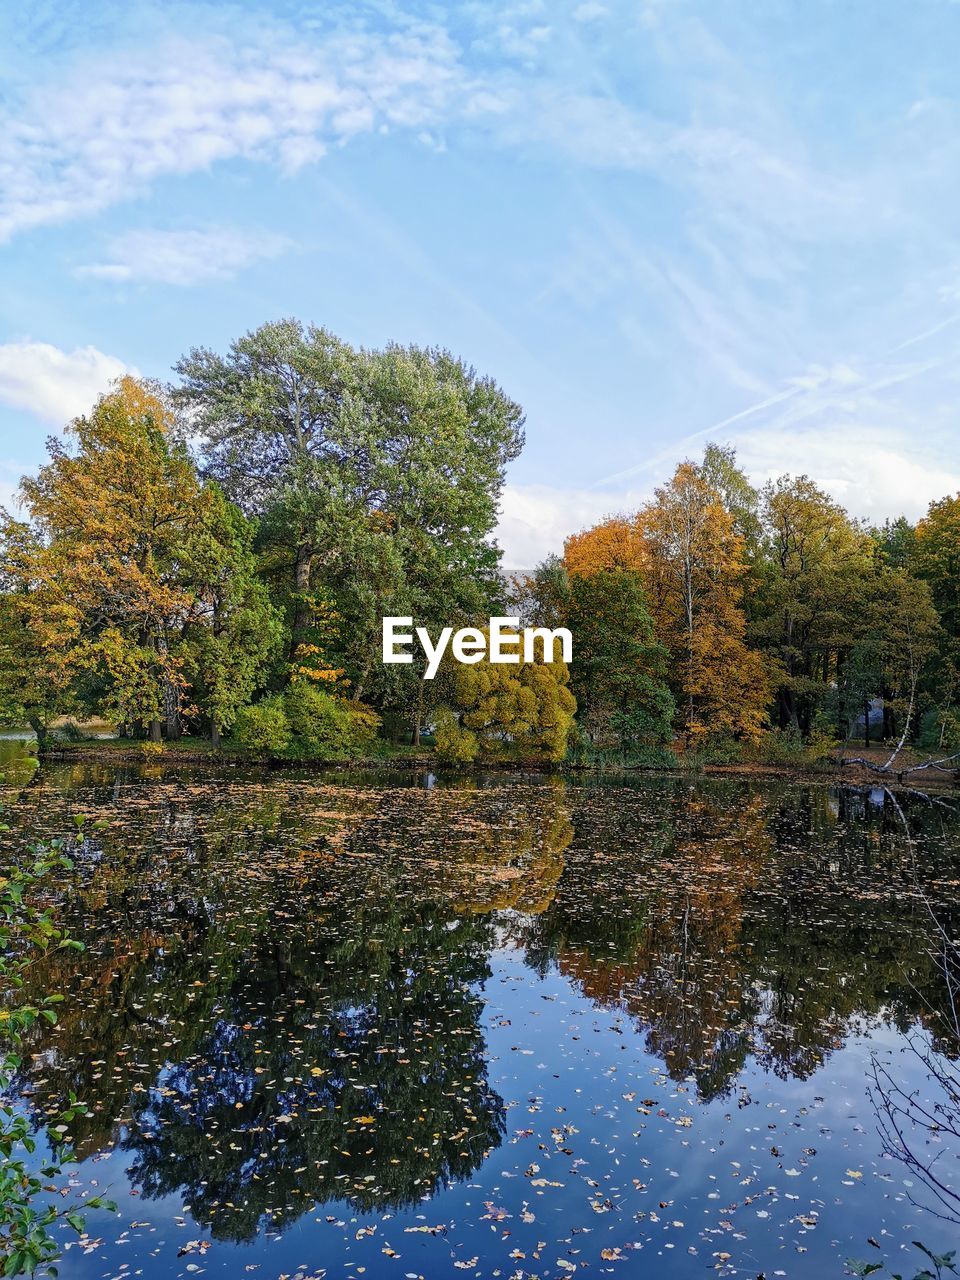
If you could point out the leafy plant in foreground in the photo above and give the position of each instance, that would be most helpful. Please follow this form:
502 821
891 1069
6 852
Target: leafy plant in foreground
941 1264
26 1216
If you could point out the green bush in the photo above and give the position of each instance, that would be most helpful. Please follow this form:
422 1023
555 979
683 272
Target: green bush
717 751
307 723
787 746
263 726
453 743
324 727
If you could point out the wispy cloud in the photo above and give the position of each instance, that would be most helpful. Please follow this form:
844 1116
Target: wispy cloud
183 257
110 124
104 126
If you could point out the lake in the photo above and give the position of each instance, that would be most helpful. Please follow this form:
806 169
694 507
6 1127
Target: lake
407 1026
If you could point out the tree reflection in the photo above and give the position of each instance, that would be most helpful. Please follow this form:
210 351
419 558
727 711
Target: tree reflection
763 925
335 1067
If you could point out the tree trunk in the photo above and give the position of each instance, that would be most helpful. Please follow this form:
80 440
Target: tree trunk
171 710
155 734
418 721
301 586
866 723
214 734
40 729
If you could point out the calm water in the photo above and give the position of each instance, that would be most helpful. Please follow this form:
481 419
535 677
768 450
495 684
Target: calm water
403 1026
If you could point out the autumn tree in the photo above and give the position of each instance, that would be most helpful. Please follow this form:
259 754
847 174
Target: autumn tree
615 543
123 554
694 574
36 685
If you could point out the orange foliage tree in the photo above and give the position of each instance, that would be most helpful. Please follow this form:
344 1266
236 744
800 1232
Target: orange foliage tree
694 569
130 570
615 543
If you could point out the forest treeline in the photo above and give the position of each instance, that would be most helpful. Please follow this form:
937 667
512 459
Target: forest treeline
215 558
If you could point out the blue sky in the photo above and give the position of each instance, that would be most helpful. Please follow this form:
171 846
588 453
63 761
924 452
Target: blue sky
655 223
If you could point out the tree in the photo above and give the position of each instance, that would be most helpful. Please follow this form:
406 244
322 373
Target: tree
129 571
376 474
694 575
896 542
36 686
740 499
541 598
936 559
528 704
232 630
618 668
616 543
809 598
890 652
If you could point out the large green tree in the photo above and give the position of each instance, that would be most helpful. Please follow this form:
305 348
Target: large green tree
809 600
376 473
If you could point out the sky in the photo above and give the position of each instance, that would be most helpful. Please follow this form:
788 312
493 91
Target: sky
654 222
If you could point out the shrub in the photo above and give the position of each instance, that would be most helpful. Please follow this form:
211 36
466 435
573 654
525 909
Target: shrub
787 746
307 723
263 726
453 743
324 727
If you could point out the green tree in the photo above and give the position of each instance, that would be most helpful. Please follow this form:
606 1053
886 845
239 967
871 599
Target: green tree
809 597
232 630
890 652
377 475
740 499
618 669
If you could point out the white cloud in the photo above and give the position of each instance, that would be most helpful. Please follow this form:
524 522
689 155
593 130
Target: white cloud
535 518
875 473
183 257
55 385
104 127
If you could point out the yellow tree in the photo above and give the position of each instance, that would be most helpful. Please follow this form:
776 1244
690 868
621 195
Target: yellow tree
694 570
528 704
122 544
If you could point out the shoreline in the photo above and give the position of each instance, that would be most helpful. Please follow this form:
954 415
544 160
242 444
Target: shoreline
830 770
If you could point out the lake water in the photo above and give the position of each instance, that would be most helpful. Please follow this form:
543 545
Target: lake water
400 1026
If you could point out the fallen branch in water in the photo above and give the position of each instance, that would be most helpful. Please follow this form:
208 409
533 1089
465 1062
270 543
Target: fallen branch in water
887 769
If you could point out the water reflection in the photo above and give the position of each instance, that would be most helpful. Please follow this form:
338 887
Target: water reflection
283 994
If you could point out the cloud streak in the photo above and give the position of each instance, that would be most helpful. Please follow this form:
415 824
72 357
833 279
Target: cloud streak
183 257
